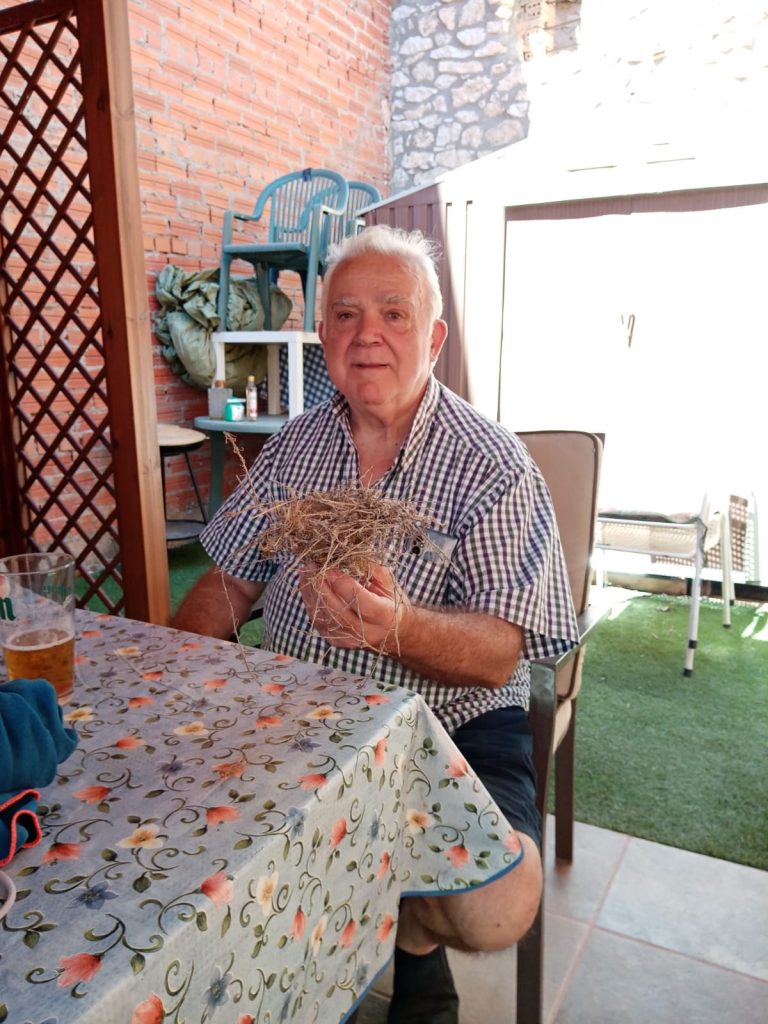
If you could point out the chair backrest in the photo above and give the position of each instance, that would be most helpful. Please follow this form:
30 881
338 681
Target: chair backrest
293 198
570 464
361 194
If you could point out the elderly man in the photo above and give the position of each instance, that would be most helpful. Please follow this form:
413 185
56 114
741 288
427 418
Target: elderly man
469 621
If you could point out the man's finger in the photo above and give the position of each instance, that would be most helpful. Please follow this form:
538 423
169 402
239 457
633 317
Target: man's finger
380 581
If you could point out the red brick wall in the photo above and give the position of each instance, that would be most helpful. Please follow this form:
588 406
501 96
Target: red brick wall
230 94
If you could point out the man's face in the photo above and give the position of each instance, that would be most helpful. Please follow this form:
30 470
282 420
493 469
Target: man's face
379 340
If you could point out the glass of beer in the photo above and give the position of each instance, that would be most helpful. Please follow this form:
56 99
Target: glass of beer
37 618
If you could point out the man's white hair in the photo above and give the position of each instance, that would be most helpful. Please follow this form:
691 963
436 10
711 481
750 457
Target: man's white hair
411 247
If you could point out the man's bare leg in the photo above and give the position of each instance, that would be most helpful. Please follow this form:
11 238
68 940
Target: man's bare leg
493 917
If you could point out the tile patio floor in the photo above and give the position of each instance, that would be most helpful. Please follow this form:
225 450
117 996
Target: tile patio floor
635 933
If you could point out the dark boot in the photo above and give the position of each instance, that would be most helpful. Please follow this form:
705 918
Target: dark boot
423 990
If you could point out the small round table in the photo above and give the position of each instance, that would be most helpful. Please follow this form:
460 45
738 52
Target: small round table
175 440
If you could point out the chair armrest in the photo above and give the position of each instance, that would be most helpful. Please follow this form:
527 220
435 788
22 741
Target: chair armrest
336 211
321 215
589 620
250 218
230 216
544 670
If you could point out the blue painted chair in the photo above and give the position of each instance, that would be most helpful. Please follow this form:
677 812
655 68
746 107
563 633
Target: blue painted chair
361 195
303 208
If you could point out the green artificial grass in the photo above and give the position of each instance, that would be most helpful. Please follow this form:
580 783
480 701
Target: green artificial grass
680 761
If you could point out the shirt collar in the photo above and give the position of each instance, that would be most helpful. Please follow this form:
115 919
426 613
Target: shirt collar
340 411
419 428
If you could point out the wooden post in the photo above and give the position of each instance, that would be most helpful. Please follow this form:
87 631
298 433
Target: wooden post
113 172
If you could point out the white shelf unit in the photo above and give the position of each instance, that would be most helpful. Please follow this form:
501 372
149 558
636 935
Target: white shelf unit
295 340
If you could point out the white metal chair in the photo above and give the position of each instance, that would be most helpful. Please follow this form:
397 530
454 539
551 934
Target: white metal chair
674 541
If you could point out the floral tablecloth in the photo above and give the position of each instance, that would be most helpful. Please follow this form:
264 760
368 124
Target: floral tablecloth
230 840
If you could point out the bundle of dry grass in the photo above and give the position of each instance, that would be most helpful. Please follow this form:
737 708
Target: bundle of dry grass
348 528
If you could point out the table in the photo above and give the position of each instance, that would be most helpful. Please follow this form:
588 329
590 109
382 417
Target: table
232 837
264 425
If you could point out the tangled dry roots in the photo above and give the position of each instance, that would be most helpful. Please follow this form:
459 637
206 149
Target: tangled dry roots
348 528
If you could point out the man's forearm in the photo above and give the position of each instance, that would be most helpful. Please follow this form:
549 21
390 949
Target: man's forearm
217 604
461 648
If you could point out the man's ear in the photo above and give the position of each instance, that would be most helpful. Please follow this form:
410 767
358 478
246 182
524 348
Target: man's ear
439 334
321 331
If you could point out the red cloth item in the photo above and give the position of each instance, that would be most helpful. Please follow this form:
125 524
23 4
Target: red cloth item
19 825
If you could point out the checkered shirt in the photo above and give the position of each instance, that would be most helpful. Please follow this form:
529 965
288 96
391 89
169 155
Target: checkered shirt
496 525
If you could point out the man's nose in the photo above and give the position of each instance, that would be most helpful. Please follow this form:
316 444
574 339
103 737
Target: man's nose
368 328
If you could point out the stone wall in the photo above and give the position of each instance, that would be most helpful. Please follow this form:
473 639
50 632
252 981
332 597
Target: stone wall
472 76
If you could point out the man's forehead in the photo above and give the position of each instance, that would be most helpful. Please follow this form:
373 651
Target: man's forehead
376 275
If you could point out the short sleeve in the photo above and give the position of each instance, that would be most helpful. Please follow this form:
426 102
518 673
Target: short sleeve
510 563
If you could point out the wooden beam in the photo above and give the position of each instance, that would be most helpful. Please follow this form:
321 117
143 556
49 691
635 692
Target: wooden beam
113 171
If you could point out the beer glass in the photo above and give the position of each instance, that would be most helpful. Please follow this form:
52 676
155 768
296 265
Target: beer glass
37 618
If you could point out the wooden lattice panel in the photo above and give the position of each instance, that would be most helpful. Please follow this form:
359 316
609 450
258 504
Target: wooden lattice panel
53 337
79 457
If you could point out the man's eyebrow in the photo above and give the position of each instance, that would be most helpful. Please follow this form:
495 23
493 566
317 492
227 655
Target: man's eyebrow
394 299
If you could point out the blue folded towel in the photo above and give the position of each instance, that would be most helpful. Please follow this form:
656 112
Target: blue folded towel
33 741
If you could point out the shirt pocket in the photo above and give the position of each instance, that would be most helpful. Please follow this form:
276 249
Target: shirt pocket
425 572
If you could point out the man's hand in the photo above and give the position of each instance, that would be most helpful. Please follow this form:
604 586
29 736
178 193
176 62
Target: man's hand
459 648
351 613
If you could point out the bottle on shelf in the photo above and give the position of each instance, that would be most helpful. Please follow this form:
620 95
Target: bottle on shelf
217 399
251 399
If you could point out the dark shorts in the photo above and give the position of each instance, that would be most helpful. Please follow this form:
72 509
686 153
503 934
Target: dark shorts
498 746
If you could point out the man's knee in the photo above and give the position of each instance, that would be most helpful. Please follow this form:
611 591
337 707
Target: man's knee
491 918
507 920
